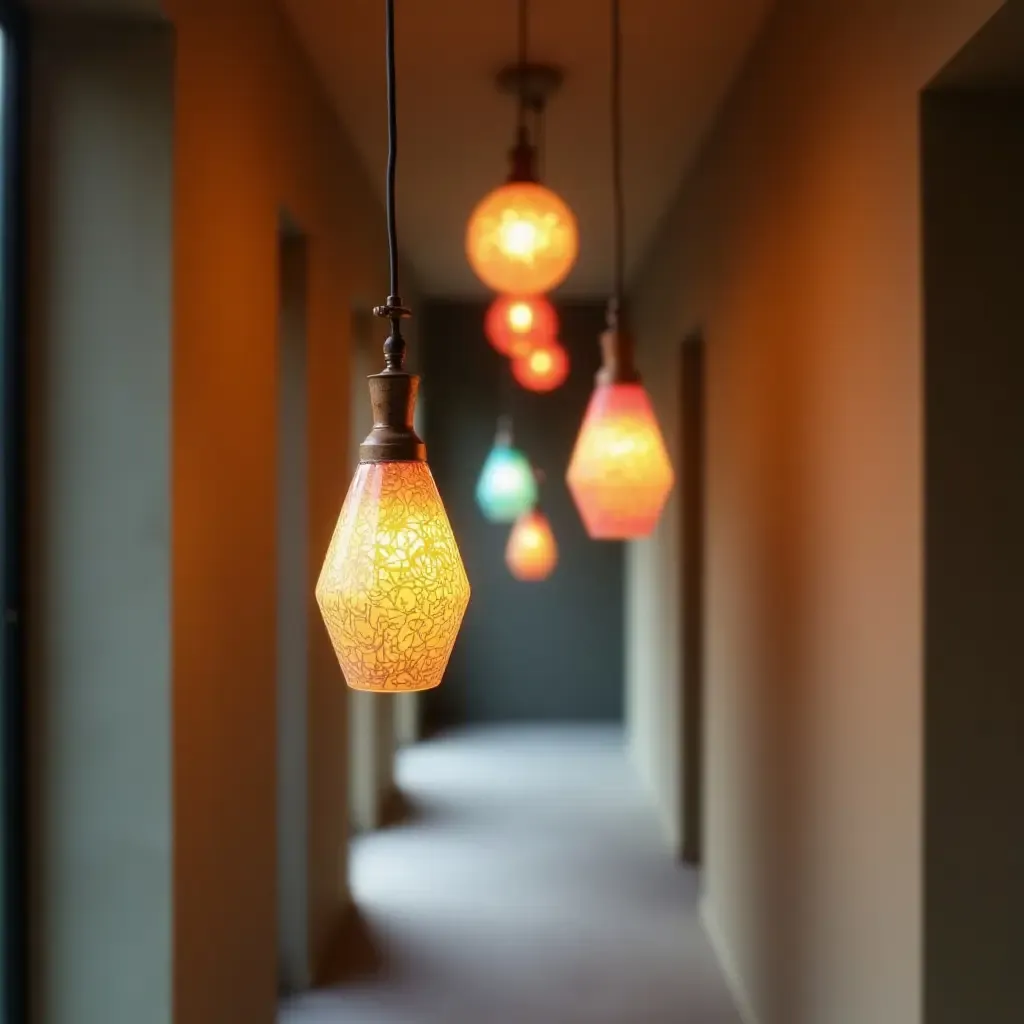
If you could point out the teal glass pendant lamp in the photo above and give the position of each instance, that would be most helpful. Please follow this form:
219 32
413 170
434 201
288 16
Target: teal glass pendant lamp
507 486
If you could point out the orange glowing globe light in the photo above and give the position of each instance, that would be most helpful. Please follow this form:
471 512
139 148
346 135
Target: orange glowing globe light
517 323
619 474
531 553
543 368
522 239
393 589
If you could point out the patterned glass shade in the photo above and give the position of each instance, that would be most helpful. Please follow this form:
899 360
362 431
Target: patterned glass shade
619 474
522 239
531 553
517 323
393 589
543 368
507 487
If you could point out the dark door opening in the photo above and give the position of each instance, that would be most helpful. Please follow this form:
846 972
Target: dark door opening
293 590
691 486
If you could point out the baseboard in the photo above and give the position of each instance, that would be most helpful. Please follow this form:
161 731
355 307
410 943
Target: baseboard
727 963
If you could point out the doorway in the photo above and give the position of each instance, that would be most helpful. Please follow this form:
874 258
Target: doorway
972 149
293 590
692 498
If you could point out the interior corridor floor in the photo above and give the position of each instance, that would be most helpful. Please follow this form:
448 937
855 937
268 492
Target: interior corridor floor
529 886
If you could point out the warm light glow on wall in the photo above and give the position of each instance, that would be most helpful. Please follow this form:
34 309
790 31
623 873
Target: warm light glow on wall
393 589
531 553
507 486
543 368
620 474
517 323
522 239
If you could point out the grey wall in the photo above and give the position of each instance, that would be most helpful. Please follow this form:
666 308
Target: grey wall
795 246
974 669
527 651
101 274
161 162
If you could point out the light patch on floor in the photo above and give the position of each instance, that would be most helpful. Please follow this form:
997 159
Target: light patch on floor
530 886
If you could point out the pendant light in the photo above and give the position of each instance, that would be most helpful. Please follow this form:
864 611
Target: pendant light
619 474
522 238
393 590
543 368
515 324
532 552
507 486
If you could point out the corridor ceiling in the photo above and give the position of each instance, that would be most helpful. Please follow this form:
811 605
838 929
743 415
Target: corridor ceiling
455 129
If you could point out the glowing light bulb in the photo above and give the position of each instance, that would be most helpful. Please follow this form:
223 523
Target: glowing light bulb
393 589
522 239
531 553
520 317
515 324
543 368
619 474
507 486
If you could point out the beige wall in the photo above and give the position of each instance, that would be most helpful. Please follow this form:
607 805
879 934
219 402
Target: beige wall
99 625
254 135
164 158
795 246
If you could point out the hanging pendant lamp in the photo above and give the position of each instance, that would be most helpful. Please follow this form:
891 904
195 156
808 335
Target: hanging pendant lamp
507 486
522 238
515 324
532 552
393 590
620 475
543 368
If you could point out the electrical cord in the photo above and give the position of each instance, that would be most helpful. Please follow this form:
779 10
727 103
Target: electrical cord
524 29
394 347
618 200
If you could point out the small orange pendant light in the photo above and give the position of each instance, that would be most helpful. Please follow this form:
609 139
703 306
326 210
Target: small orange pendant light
393 590
543 368
517 323
531 553
522 238
619 475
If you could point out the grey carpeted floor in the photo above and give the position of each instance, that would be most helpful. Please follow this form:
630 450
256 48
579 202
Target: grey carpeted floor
530 886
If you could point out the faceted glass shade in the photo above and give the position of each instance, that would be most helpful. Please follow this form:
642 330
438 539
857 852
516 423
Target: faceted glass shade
521 239
393 589
531 553
517 323
507 487
543 368
619 474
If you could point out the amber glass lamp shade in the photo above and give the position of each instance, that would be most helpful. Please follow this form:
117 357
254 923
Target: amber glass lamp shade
543 368
517 323
531 553
619 474
522 239
393 589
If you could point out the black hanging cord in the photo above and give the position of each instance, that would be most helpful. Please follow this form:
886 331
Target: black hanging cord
392 143
538 140
394 347
617 189
524 29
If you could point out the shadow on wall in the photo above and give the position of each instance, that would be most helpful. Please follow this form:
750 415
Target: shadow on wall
527 651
